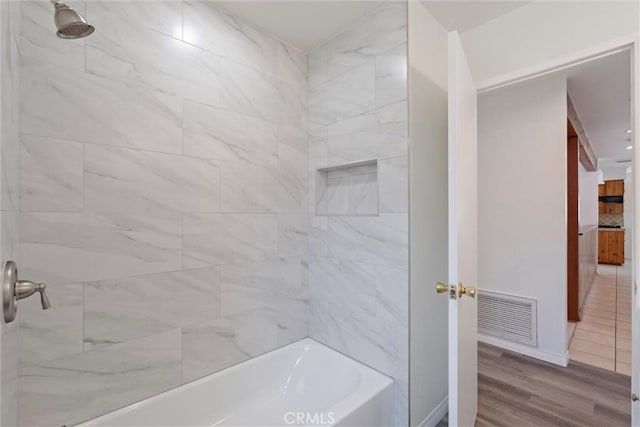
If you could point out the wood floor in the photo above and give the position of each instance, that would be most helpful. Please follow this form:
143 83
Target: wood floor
518 391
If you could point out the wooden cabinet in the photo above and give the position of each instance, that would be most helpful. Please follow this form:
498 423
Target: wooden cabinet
614 187
601 191
611 247
611 208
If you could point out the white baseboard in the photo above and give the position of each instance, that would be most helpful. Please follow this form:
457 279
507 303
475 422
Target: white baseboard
437 414
555 358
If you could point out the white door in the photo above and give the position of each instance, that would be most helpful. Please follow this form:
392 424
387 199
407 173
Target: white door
463 238
635 243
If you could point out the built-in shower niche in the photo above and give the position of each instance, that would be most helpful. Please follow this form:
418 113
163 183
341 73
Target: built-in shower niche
348 189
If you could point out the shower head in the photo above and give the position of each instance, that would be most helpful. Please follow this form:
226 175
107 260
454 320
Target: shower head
70 24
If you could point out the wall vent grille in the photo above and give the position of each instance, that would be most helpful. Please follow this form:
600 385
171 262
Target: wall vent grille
509 317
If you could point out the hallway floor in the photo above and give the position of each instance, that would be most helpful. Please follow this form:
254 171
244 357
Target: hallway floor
516 390
603 337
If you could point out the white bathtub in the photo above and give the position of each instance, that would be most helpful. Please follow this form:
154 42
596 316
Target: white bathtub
304 383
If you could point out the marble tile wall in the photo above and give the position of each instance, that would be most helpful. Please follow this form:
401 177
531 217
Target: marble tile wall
9 197
358 276
163 196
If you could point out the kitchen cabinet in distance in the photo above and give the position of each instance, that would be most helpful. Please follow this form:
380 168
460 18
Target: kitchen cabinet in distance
611 247
614 187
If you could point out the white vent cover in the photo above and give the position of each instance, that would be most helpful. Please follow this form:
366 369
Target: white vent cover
508 317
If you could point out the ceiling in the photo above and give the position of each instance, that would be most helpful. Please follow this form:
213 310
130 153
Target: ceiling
465 15
308 24
303 24
600 92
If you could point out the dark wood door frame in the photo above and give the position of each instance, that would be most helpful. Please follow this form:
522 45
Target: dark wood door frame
573 258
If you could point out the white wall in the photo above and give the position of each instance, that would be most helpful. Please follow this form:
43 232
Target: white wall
615 172
543 30
588 196
428 213
522 134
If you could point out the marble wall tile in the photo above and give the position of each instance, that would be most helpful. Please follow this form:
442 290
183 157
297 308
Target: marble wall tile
376 342
363 194
319 236
211 29
9 200
381 240
162 16
248 91
347 284
10 235
248 188
72 389
59 248
50 175
293 234
337 196
242 297
137 54
292 65
327 324
10 375
293 321
290 104
319 192
225 135
358 281
317 71
378 134
295 137
93 109
318 135
393 181
345 96
215 345
37 36
381 30
391 76
258 284
120 310
219 239
352 170
9 131
10 168
291 187
392 294
54 333
124 180
193 174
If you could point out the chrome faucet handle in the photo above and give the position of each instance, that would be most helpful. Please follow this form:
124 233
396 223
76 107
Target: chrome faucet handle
44 299
14 290
26 288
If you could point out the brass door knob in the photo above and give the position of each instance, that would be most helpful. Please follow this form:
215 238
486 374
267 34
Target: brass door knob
441 288
469 291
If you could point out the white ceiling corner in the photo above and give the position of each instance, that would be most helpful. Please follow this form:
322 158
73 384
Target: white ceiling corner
465 15
303 24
